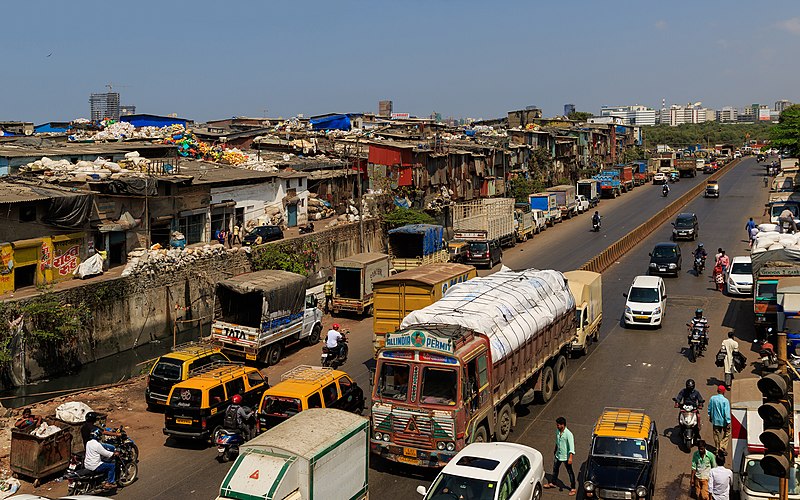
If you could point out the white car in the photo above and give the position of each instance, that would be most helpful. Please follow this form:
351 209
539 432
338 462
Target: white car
660 178
539 220
739 280
646 302
583 203
490 471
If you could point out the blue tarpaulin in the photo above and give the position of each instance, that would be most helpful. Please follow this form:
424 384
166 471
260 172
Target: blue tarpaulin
335 122
140 121
50 127
430 234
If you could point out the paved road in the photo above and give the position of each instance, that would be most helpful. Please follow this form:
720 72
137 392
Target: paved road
193 473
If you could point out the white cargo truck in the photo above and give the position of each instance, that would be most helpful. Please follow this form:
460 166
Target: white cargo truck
587 289
318 454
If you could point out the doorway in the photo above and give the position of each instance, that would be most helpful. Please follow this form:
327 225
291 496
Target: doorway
291 210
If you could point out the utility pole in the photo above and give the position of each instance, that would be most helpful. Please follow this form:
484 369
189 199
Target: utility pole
360 197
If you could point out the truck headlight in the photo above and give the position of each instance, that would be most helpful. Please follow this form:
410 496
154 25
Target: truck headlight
440 445
386 437
641 491
588 487
451 446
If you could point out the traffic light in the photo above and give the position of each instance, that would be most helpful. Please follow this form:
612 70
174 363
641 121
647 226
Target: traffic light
776 412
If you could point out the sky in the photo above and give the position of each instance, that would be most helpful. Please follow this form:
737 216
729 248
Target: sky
210 60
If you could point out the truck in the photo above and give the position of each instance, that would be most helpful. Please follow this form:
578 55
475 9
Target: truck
485 220
352 281
257 314
747 450
565 198
776 286
782 200
590 188
625 177
610 185
641 173
414 245
587 290
398 295
547 203
524 225
663 162
456 370
687 167
318 454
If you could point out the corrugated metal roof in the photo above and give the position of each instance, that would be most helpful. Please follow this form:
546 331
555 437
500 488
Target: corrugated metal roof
13 192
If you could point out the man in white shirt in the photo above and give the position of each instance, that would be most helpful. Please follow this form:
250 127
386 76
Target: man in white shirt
720 481
95 453
333 338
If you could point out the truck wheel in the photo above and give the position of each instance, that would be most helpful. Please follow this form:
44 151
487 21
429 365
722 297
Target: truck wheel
547 384
313 337
504 423
480 435
274 353
560 369
368 311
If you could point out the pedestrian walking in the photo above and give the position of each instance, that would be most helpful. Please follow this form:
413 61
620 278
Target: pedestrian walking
237 238
749 226
563 453
328 289
719 413
702 463
725 262
719 277
720 481
731 346
753 234
221 237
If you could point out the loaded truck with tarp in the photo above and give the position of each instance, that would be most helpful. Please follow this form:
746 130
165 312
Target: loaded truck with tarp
318 454
257 314
625 177
686 166
565 198
776 286
399 295
587 289
456 370
352 281
414 245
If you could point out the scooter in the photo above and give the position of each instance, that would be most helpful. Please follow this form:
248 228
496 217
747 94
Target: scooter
687 421
88 482
596 226
308 228
698 340
665 192
768 362
699 265
334 358
228 442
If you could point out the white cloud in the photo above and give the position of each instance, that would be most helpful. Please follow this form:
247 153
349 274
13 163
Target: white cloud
792 25
661 24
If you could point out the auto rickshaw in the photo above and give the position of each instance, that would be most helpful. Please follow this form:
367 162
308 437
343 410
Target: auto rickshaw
458 250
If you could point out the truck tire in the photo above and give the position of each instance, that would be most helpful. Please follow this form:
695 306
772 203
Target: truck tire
560 372
313 337
548 384
505 422
480 436
274 353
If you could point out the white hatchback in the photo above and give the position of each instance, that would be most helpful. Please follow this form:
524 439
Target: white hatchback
490 471
646 301
739 280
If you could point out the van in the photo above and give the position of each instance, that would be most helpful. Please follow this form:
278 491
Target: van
178 366
646 302
305 387
197 405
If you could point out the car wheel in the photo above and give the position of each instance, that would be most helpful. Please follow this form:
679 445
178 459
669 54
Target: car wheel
537 492
504 423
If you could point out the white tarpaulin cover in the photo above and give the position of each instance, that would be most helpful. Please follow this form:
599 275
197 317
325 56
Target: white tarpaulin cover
508 307
90 267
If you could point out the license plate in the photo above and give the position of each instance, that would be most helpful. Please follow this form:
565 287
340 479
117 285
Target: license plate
183 421
662 269
251 357
643 318
221 449
406 460
410 452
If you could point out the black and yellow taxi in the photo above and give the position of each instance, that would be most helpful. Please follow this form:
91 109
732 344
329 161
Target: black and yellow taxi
623 457
305 387
177 366
197 405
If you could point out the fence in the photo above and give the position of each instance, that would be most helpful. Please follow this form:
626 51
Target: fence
604 259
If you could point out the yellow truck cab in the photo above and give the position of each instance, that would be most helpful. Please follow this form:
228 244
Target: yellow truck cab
197 405
178 366
305 387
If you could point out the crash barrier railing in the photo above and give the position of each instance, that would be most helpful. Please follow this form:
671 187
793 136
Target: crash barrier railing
609 256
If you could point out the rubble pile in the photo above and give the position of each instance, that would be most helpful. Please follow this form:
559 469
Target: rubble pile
319 209
84 171
158 260
112 130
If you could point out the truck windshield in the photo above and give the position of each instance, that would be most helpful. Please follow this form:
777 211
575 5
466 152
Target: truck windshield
439 386
393 382
757 481
767 290
605 446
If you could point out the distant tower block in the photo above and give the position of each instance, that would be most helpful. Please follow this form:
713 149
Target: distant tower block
385 108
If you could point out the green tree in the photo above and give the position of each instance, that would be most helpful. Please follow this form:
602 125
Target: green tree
521 188
706 134
580 116
786 134
403 216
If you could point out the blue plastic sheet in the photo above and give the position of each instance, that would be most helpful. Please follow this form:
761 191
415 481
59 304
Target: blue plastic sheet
335 122
431 235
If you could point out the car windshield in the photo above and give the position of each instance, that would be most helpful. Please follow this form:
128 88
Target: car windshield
742 268
757 481
439 386
664 252
393 382
643 295
607 446
167 369
684 222
276 405
478 247
450 487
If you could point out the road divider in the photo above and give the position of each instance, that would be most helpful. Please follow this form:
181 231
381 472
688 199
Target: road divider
610 255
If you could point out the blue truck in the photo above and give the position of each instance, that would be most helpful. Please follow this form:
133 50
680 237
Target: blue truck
548 204
610 185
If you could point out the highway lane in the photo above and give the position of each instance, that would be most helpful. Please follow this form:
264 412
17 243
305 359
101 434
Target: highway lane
193 473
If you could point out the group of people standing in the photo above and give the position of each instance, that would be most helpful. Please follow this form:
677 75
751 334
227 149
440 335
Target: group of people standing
232 237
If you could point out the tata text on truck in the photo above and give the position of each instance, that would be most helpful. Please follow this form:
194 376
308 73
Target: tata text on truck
414 245
257 314
456 370
587 289
352 281
747 450
776 281
565 197
547 203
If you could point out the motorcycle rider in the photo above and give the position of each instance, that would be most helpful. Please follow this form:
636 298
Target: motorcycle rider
690 396
332 340
700 251
89 424
665 189
237 417
95 453
699 321
596 218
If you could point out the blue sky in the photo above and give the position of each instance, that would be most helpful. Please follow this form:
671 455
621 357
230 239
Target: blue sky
206 60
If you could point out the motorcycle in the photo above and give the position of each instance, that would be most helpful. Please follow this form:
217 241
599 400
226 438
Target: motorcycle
687 420
699 265
664 192
334 358
123 443
698 340
596 226
768 362
88 482
228 442
308 228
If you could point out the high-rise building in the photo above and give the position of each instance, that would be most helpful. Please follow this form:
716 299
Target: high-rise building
104 105
632 115
569 109
385 108
127 110
727 114
782 104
